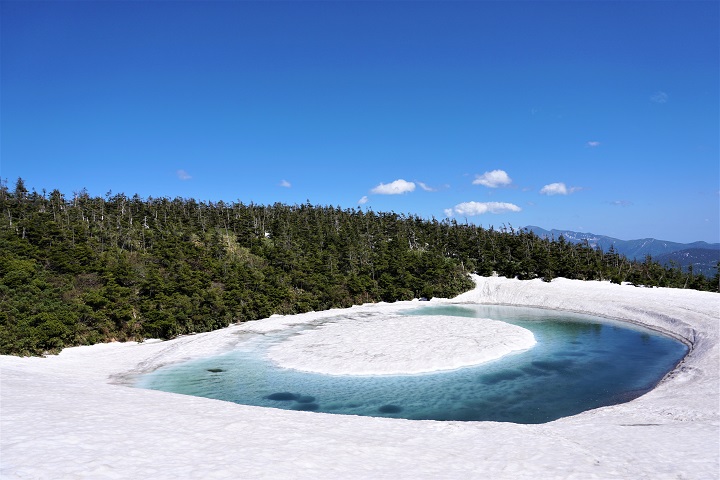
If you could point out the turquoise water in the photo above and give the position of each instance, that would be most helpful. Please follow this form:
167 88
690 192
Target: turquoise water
579 363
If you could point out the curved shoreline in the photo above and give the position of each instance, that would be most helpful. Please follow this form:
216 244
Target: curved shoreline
655 328
660 323
61 417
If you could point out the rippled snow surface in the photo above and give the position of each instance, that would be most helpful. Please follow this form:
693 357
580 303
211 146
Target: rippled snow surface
579 363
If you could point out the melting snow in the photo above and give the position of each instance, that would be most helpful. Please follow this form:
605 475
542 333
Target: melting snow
357 347
69 416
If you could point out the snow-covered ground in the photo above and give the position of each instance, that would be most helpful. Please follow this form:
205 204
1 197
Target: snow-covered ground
358 346
70 416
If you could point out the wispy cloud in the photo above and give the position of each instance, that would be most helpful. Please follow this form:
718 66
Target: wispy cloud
285 183
426 187
493 179
394 188
659 97
479 208
363 200
621 203
593 144
183 175
558 188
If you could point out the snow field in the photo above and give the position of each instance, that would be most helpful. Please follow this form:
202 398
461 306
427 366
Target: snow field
70 416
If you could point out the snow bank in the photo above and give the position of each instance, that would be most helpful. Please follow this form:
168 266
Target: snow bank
66 417
400 345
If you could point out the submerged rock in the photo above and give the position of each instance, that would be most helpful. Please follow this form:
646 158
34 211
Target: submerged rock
282 396
390 409
556 365
493 378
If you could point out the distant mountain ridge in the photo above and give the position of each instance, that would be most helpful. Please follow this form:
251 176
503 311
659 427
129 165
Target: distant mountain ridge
702 256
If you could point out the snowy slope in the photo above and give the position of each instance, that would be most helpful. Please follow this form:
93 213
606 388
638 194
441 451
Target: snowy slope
68 417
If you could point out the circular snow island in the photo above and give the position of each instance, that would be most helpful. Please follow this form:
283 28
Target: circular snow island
425 344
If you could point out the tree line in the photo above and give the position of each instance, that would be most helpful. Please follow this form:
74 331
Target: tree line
81 269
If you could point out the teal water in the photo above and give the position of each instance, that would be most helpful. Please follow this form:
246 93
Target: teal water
579 363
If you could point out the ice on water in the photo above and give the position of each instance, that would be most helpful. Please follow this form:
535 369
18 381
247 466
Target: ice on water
400 344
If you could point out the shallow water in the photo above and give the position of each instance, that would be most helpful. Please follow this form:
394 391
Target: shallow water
579 363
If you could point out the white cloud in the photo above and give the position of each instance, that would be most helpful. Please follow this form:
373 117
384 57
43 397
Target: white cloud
426 187
479 208
285 183
363 200
659 97
558 188
395 188
183 175
593 144
621 203
493 179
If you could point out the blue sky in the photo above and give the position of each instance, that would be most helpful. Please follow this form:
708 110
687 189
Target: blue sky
591 116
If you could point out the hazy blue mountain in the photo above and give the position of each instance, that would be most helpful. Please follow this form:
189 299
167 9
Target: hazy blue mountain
703 260
702 255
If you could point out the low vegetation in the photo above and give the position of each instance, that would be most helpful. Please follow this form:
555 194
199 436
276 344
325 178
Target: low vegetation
84 270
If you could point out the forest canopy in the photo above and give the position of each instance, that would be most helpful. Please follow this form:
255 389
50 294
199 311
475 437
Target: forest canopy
83 269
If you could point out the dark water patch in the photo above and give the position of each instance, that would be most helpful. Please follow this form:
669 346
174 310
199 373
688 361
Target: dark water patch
282 396
215 370
502 376
571 354
390 409
305 399
534 371
553 365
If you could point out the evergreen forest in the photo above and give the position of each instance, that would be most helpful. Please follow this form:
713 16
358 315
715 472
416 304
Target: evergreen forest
78 270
